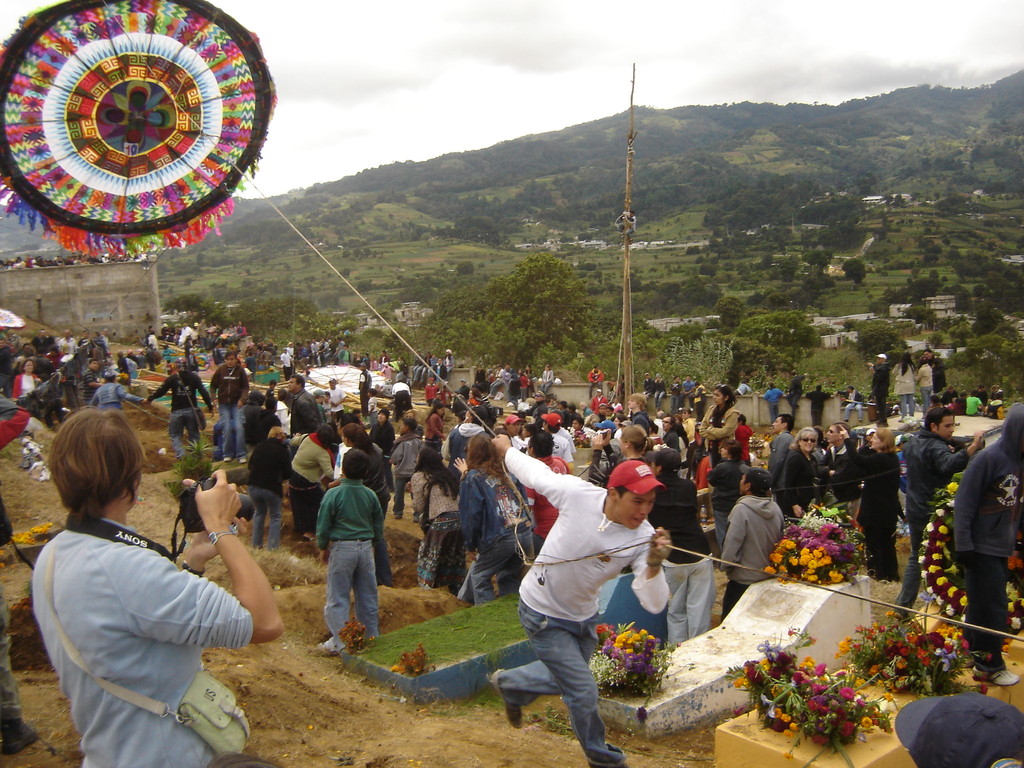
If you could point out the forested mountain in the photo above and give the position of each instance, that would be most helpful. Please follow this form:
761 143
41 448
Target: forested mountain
737 160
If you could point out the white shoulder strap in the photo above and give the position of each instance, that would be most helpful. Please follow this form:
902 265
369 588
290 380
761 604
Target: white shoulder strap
151 705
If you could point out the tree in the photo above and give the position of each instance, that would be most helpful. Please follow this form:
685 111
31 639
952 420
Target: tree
788 331
817 261
542 301
199 308
878 336
855 270
730 311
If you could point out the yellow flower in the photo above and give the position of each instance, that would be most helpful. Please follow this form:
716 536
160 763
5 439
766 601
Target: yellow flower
866 723
943 530
952 487
790 544
941 581
963 600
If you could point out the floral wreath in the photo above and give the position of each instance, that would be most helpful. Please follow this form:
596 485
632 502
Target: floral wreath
944 578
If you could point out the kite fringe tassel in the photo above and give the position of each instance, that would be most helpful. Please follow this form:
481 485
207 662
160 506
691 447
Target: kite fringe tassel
78 240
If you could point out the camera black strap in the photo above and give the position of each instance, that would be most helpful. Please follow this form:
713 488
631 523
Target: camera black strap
102 529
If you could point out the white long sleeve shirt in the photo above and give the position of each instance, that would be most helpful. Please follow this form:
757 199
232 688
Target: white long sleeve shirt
569 590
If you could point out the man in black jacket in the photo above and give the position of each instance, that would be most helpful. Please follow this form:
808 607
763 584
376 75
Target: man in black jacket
183 386
306 415
932 460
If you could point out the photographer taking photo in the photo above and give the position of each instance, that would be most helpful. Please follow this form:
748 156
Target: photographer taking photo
121 623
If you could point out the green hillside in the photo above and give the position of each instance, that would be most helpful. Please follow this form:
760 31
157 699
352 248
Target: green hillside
758 201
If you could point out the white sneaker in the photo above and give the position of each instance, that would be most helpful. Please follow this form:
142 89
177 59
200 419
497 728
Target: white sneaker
226 460
329 646
1003 677
242 459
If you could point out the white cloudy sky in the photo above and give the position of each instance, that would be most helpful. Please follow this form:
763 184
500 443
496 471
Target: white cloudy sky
370 83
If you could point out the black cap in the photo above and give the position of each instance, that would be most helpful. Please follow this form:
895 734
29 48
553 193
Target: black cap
760 479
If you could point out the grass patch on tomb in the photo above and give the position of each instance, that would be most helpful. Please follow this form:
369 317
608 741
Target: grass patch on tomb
456 636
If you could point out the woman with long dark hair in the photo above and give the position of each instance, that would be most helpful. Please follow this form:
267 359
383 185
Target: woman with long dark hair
880 504
720 422
433 432
906 385
356 436
441 561
495 521
312 468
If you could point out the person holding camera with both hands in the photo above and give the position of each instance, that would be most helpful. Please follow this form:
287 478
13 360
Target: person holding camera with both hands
124 628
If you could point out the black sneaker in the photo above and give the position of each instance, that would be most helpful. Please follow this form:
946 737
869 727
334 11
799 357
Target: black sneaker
17 734
513 712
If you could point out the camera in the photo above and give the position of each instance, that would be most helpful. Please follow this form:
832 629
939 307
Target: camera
188 512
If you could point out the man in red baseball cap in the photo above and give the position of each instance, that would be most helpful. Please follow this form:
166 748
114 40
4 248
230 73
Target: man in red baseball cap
563 442
599 531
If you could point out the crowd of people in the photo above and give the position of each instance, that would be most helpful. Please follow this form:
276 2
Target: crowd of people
69 259
496 487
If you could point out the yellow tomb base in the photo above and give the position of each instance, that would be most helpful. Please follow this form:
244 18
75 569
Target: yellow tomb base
743 743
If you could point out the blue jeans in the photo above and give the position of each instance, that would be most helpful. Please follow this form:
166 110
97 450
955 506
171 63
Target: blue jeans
350 569
773 411
500 557
912 573
721 526
398 505
692 589
926 398
563 651
907 406
265 504
182 419
234 438
850 407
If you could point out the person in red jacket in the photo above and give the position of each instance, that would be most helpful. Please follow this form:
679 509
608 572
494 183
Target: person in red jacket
743 435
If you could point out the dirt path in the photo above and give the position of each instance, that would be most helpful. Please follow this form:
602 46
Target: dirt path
305 710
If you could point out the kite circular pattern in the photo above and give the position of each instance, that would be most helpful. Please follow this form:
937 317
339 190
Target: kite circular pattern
126 126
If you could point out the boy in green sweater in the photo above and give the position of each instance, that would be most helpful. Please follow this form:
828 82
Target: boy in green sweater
349 521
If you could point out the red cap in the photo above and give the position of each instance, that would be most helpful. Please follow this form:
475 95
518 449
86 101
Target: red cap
635 476
552 419
513 419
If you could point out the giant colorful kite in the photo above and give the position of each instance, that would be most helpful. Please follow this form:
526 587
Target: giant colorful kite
126 126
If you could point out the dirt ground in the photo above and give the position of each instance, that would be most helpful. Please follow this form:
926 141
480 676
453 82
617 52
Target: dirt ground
305 710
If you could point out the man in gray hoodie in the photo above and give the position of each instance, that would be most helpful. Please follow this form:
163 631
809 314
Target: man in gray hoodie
986 522
755 527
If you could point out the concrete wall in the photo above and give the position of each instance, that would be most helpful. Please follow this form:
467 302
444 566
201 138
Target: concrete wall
123 298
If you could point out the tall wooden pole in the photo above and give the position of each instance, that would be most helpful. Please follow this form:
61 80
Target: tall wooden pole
627 299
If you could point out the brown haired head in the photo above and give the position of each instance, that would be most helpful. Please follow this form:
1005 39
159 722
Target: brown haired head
480 455
96 459
886 439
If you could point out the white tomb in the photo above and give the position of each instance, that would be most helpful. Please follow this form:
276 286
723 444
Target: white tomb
696 691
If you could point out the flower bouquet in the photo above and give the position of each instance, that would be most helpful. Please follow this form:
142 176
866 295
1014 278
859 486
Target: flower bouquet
628 661
817 550
905 659
804 700
944 577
